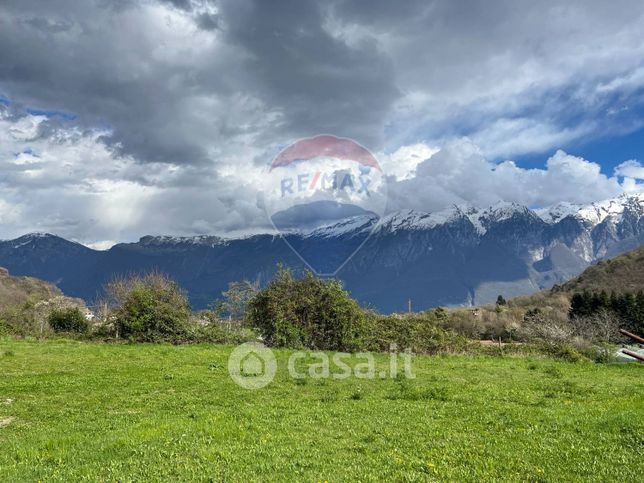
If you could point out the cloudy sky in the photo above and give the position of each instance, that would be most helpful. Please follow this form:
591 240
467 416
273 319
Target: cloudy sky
120 118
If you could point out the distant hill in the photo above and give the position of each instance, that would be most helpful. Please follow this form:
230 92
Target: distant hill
17 291
624 273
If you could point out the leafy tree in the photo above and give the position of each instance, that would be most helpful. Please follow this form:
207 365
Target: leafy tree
149 308
627 308
69 319
307 312
500 300
580 304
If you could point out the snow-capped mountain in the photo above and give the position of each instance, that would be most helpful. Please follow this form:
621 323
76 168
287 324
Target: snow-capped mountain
458 256
595 212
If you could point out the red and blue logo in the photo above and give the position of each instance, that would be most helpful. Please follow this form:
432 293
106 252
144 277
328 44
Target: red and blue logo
325 188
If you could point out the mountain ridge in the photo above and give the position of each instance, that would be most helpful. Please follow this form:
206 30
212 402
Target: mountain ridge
595 212
459 256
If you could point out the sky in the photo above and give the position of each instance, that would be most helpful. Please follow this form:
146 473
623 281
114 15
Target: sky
124 118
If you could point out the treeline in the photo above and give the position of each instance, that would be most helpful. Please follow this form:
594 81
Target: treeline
627 307
291 311
312 313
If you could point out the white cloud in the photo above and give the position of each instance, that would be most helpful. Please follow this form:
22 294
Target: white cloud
633 173
26 128
460 174
402 163
66 181
630 169
62 180
507 137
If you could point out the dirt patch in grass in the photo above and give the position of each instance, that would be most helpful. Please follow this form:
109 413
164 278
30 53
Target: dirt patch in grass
6 421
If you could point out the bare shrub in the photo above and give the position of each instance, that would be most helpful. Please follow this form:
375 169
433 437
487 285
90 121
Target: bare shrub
466 322
600 327
546 326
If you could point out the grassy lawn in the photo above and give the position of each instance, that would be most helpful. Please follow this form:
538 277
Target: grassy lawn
71 411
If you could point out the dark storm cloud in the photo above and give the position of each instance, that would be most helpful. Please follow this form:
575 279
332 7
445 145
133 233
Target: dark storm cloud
87 59
309 67
104 78
207 21
167 108
317 81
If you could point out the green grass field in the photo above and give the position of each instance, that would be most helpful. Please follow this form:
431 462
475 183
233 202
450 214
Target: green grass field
73 410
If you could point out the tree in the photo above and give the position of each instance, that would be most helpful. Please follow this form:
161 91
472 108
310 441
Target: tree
637 324
501 301
307 312
148 308
236 298
581 305
68 319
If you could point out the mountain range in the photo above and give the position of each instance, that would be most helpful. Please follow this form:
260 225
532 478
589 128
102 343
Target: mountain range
460 256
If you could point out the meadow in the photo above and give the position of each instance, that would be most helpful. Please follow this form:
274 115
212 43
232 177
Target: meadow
72 410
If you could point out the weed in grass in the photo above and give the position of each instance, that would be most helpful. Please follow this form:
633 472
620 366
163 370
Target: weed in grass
329 397
369 439
566 390
434 393
357 395
406 390
400 378
553 372
632 436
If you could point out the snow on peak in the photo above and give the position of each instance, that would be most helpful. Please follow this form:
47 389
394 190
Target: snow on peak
205 240
481 219
35 235
503 210
596 212
352 225
416 220
30 237
558 212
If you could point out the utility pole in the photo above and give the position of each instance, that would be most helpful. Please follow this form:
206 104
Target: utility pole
409 305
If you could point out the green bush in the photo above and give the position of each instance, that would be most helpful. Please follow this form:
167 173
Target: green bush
561 351
149 308
5 328
19 319
307 312
602 353
319 314
210 327
419 332
69 319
